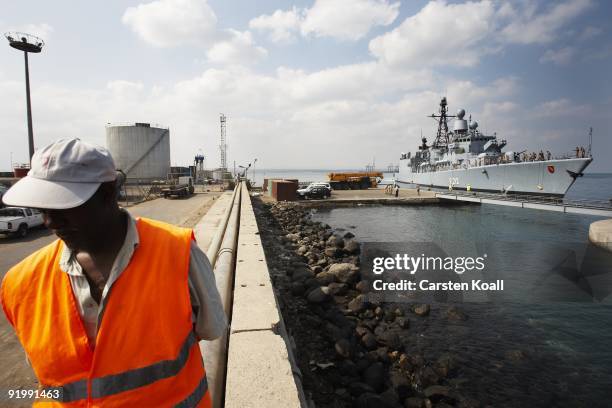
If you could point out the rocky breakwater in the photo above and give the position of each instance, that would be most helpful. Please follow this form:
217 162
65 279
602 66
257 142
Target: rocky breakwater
351 349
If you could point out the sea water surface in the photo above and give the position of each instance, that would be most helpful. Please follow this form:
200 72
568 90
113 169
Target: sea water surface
546 340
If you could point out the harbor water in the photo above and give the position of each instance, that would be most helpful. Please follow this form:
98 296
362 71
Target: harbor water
545 340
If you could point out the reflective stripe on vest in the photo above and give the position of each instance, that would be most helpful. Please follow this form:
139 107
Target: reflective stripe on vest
196 396
138 377
70 392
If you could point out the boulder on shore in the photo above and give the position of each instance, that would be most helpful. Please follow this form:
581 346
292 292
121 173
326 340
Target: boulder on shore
334 241
344 272
319 295
358 304
351 246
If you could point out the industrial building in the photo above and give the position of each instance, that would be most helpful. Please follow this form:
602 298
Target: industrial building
140 150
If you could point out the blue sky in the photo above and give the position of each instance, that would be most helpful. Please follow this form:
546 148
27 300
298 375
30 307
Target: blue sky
308 84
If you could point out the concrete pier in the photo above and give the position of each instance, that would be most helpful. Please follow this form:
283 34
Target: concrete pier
259 370
600 234
371 196
252 365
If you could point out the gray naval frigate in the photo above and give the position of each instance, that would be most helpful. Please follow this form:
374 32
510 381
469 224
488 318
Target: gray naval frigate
466 159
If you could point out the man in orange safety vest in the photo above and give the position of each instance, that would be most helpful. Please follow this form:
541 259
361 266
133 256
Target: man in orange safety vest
110 313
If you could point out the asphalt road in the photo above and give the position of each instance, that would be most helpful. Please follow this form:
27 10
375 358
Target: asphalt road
15 372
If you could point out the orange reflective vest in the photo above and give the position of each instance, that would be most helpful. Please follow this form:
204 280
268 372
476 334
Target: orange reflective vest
146 354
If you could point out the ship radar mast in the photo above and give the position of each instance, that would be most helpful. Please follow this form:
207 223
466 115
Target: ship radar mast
442 137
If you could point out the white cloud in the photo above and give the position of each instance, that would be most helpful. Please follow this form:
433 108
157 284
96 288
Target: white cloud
124 87
471 95
439 34
561 56
356 81
282 25
274 115
348 19
493 110
443 34
527 26
237 48
166 23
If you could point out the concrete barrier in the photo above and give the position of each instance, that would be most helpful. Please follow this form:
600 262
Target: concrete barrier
260 372
600 234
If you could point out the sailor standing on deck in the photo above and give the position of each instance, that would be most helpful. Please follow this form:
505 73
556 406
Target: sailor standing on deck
109 314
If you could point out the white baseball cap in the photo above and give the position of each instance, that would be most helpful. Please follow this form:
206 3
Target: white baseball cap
63 175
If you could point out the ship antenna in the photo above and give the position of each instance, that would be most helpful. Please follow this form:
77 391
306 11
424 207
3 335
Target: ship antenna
590 140
442 139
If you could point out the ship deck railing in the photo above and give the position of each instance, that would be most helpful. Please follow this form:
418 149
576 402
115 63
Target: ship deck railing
491 162
553 201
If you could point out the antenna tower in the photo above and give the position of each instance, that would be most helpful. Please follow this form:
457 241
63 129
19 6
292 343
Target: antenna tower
442 137
223 144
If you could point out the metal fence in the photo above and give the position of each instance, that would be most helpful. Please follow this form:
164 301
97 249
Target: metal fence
135 191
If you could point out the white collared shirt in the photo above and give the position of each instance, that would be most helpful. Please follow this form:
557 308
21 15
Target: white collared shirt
208 316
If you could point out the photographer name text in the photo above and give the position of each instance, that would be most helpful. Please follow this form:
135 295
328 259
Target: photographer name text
426 285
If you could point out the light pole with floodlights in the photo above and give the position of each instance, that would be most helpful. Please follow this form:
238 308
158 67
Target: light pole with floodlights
26 43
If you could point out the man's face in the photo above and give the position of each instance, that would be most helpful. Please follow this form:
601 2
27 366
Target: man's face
78 227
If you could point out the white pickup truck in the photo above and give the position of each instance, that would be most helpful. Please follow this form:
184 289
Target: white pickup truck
18 220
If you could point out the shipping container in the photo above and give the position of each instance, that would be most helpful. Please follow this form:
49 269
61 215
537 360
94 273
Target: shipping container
284 190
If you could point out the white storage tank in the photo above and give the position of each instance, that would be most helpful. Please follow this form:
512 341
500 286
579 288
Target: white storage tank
142 151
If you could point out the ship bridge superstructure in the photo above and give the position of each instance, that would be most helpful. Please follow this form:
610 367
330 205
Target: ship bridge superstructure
463 145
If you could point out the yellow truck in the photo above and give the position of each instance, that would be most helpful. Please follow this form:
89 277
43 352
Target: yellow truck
355 181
